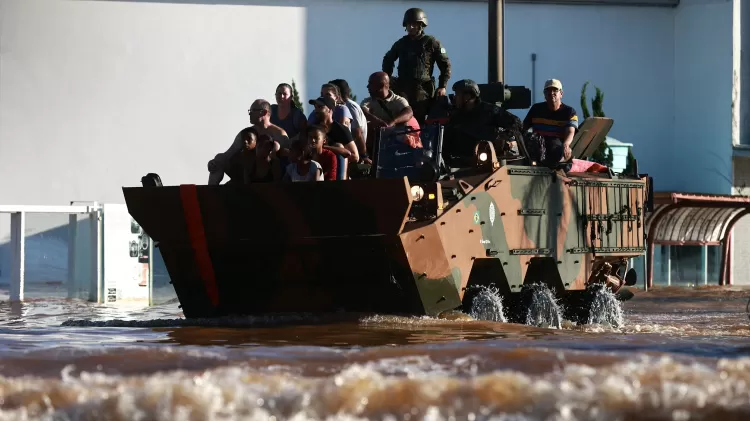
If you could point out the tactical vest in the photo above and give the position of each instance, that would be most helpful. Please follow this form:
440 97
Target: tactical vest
477 124
483 123
415 57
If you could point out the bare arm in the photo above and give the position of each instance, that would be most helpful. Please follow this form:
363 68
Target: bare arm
236 146
349 151
338 149
359 138
219 162
372 118
405 115
567 142
569 134
352 147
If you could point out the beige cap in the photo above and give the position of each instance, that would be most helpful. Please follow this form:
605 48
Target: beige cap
553 83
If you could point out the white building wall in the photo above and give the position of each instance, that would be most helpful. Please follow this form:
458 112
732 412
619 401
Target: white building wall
94 94
740 138
700 159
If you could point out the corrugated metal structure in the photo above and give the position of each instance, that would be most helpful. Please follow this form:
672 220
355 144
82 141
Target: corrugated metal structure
683 219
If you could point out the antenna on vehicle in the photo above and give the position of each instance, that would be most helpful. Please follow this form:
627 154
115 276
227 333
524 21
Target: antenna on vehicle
496 42
495 91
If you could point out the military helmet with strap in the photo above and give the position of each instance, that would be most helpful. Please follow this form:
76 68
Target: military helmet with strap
415 14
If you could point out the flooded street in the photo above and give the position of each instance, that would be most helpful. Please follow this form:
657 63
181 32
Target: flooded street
681 354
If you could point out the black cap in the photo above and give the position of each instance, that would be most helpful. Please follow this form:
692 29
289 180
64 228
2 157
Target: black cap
325 100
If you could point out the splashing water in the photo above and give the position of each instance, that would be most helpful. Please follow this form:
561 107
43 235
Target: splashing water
544 311
488 305
605 309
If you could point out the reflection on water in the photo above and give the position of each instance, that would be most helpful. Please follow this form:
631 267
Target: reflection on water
678 354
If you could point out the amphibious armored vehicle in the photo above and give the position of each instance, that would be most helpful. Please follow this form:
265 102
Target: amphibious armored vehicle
409 239
390 245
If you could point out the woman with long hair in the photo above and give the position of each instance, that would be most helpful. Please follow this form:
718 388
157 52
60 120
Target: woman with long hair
285 113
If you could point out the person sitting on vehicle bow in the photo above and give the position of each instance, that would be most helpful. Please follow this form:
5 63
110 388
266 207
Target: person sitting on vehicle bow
285 113
384 109
359 121
341 112
473 120
553 125
321 152
302 167
262 165
260 116
234 167
338 136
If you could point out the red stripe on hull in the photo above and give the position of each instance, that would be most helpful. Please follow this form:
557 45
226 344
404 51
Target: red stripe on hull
192 211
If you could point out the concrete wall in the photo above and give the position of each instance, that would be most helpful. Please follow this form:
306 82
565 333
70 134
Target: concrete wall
700 156
741 240
741 138
743 14
94 94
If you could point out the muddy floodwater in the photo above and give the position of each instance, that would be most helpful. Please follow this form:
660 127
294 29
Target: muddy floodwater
678 354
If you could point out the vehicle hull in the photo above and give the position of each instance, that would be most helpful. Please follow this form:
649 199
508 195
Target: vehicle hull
368 246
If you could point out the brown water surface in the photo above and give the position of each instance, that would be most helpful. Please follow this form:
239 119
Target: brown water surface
682 354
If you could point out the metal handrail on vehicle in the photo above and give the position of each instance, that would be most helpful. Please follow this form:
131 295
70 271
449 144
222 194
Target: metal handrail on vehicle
435 147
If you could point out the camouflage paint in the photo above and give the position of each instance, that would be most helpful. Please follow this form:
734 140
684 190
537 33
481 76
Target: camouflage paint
518 213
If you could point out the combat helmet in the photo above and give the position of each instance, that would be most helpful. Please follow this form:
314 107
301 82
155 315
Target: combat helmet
467 85
415 14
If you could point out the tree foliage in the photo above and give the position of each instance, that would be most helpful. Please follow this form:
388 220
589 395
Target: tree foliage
630 162
603 155
295 96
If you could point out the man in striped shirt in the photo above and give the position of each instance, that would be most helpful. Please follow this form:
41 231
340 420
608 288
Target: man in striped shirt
555 121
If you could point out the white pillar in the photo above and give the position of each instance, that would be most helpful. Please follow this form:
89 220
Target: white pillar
704 264
150 271
668 263
739 73
17 255
96 290
72 235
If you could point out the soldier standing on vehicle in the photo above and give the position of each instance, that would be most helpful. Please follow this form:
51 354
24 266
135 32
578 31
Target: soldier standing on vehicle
473 120
417 53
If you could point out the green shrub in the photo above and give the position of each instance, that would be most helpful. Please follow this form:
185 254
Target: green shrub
295 96
603 155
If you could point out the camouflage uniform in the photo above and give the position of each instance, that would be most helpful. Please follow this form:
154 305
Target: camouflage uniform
416 62
483 122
